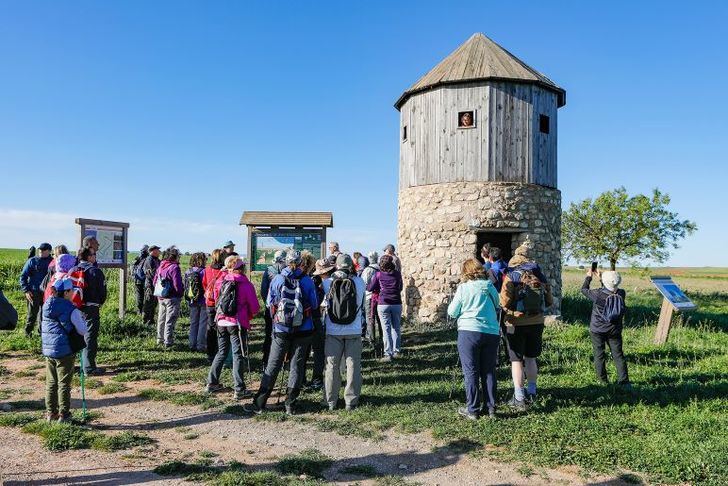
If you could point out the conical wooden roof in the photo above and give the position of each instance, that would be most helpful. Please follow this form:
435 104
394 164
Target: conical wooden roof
479 59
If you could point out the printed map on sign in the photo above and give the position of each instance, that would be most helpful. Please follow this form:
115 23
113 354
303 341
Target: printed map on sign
266 244
111 244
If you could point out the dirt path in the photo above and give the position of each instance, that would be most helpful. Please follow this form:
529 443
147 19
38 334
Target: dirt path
189 433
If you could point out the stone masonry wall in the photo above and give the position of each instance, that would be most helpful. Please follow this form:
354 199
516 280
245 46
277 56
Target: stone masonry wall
437 231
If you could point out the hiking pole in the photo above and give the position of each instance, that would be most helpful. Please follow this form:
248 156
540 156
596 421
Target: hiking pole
283 380
83 387
244 347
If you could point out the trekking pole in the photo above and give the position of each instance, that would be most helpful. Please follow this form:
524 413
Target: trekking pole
244 348
83 388
283 380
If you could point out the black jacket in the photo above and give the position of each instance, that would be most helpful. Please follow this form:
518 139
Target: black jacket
94 290
150 266
599 298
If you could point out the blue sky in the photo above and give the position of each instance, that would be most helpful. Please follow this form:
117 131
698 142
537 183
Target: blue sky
177 116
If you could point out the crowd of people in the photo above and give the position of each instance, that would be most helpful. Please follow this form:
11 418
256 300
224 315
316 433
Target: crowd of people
323 311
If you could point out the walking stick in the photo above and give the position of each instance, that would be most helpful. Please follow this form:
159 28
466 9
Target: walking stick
244 346
83 388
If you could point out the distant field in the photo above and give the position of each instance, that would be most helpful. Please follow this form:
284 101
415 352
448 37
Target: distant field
671 429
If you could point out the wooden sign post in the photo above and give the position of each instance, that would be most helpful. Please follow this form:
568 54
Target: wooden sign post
673 300
112 237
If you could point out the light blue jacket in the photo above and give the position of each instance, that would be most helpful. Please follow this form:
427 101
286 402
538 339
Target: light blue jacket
474 306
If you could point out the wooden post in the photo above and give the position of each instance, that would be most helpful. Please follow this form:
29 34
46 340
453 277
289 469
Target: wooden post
663 324
122 293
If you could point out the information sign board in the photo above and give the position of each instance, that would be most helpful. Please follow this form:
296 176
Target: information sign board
265 243
671 291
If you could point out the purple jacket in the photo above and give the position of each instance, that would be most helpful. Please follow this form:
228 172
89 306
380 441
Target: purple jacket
171 271
389 287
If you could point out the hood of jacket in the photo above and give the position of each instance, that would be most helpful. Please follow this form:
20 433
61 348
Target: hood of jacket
287 272
167 266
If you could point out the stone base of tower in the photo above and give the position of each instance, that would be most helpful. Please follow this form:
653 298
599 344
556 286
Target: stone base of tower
441 225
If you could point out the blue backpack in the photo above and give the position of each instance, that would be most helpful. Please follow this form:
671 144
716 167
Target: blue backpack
614 307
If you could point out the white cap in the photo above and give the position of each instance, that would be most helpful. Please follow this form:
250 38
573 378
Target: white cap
611 280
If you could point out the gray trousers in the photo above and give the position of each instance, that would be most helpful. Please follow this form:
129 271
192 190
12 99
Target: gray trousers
167 320
347 350
391 318
296 347
229 338
198 328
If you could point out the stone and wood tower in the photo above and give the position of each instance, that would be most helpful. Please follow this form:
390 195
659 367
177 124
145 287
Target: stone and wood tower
477 166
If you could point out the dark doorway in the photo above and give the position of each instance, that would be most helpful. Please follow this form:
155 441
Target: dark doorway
501 240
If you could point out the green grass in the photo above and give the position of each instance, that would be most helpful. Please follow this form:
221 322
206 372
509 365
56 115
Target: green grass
310 462
670 430
111 388
61 437
17 419
122 441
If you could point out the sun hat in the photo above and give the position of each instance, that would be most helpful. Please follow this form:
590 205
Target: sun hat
63 284
293 257
324 266
344 262
65 262
279 256
45 246
611 280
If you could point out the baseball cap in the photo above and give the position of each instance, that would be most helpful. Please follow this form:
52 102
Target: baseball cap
63 284
154 247
45 246
228 243
344 262
293 257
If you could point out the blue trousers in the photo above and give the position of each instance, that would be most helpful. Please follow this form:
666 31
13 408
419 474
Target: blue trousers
479 357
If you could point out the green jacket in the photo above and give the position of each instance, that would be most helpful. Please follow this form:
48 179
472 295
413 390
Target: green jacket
474 306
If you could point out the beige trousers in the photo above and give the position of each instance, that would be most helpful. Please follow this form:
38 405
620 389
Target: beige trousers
346 349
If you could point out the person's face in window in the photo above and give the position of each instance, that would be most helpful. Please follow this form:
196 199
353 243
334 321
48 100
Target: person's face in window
466 120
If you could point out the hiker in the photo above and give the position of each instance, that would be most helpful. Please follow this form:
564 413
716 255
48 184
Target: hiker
62 267
92 282
8 314
323 269
58 250
279 263
605 327
169 289
387 283
31 278
475 306
334 249
485 256
291 298
370 298
498 267
31 252
150 266
524 297
390 250
60 319
137 271
89 242
229 249
195 297
344 311
209 278
237 304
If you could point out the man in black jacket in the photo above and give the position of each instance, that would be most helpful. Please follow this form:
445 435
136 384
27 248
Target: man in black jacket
150 266
31 280
94 296
137 272
606 329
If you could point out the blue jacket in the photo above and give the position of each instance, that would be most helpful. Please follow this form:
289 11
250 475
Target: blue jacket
34 271
475 306
310 299
498 268
55 326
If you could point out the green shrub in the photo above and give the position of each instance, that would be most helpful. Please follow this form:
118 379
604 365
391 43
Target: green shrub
310 462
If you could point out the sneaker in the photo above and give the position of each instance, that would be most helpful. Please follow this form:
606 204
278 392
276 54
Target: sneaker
491 413
386 359
252 409
349 408
95 372
290 409
463 412
396 355
518 405
213 388
65 418
242 395
332 406
51 417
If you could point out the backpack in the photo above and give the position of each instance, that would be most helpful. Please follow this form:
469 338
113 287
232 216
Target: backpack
289 309
46 281
227 301
193 286
614 307
77 276
138 271
529 291
342 306
163 287
8 314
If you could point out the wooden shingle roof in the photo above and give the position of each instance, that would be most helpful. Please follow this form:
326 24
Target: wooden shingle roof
300 218
480 59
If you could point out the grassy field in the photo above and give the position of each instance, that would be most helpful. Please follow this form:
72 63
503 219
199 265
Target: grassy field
670 429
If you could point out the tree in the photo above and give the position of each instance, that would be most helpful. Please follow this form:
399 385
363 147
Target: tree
615 227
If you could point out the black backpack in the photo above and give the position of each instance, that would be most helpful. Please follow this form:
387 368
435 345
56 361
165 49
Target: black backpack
193 286
614 307
227 301
342 303
8 314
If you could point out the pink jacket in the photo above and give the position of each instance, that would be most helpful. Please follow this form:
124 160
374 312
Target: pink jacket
248 305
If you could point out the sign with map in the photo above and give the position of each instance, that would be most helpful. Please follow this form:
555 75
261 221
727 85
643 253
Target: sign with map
266 243
672 293
112 241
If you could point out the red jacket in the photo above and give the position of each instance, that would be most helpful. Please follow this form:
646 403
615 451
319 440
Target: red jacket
208 284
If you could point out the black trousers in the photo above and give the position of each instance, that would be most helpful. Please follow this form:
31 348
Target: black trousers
34 307
139 295
294 346
212 344
92 314
318 341
614 340
268 338
150 307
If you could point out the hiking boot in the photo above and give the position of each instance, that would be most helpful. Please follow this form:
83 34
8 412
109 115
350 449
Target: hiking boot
28 333
64 418
95 372
214 388
242 395
491 413
518 405
252 409
290 409
51 417
396 355
463 412
386 359
331 406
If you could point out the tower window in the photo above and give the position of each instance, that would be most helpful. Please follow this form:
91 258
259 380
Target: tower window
404 133
466 119
544 125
